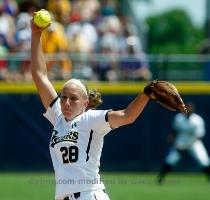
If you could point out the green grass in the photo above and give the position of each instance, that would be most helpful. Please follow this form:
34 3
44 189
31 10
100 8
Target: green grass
120 186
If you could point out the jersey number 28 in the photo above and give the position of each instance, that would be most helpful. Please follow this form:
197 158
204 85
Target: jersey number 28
69 154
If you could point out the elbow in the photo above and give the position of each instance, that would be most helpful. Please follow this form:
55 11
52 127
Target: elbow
38 72
127 118
37 75
34 71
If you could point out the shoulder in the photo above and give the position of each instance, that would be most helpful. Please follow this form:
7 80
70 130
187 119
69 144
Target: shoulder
96 116
95 113
53 112
97 120
196 118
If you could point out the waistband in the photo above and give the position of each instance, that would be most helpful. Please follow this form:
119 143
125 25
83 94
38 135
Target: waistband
77 195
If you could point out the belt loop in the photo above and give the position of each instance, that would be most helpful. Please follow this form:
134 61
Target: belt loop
76 195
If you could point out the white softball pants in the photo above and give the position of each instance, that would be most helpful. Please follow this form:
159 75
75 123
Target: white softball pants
197 150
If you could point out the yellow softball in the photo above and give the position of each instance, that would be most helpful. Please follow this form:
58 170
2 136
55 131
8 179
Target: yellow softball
42 18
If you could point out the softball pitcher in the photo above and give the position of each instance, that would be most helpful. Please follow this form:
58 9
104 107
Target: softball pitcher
78 129
188 130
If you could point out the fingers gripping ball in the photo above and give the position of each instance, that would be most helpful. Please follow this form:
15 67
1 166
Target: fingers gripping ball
166 94
42 18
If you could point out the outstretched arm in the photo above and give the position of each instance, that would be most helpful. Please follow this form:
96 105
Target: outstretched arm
38 68
130 114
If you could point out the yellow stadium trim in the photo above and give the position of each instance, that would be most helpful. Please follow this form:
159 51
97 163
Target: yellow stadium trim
109 87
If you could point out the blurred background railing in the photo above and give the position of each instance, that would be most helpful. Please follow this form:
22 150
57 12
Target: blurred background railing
110 67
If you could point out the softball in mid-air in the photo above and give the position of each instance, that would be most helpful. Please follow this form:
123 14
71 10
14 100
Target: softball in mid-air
42 18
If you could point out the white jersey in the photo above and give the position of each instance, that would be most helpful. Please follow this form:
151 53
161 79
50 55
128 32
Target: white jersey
188 130
75 148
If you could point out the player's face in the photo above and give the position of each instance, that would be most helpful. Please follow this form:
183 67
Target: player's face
73 101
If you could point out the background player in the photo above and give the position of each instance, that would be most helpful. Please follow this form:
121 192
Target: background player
188 129
77 137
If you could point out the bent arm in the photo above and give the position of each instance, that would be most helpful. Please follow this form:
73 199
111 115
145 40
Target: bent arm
130 114
38 68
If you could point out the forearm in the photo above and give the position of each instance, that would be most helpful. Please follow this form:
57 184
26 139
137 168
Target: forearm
38 65
128 115
135 108
39 70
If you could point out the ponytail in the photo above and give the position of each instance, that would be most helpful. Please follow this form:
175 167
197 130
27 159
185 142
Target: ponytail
94 99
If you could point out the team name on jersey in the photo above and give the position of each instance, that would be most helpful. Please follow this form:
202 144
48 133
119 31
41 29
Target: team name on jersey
72 136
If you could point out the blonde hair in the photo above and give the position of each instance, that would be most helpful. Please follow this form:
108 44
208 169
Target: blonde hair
94 99
79 83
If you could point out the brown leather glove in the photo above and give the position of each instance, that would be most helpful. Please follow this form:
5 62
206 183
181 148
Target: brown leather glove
166 95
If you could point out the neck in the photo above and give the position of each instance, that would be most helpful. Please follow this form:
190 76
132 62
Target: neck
70 119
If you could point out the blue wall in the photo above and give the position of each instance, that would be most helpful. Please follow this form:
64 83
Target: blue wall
25 134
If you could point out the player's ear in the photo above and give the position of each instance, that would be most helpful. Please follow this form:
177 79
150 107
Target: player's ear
86 103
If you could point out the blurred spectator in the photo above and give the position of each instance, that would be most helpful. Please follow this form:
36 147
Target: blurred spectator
22 44
7 27
86 10
78 45
54 40
82 36
109 41
110 24
9 6
7 31
108 45
5 71
3 45
61 10
3 61
19 39
23 33
106 67
77 41
134 65
83 27
107 7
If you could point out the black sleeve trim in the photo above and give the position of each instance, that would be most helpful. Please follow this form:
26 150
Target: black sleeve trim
88 147
52 103
106 117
